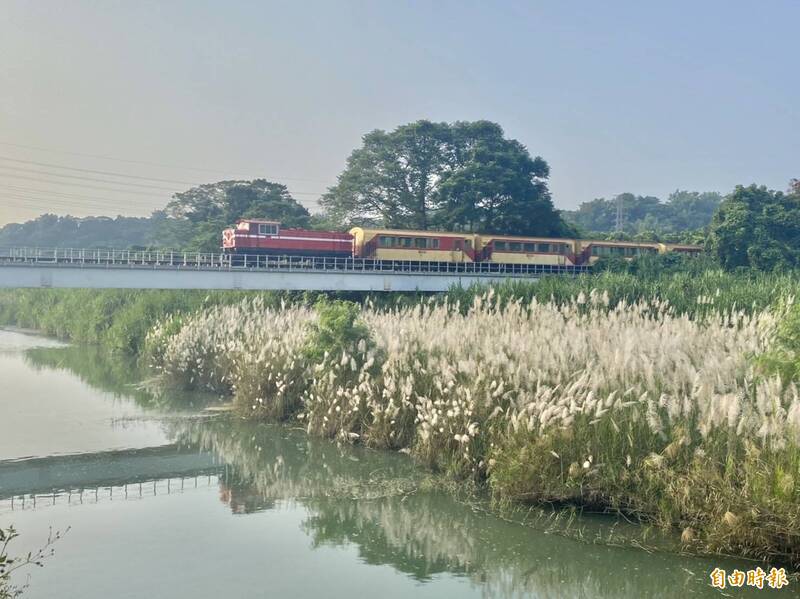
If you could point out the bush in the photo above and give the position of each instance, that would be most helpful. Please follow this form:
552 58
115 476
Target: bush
336 330
784 357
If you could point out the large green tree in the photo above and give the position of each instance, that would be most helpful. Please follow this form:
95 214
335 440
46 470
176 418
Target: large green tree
462 175
197 216
757 227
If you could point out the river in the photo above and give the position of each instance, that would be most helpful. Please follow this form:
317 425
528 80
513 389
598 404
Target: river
159 498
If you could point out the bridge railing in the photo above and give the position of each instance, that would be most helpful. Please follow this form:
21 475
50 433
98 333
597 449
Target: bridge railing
168 259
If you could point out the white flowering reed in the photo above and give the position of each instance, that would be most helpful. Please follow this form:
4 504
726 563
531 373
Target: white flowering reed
446 378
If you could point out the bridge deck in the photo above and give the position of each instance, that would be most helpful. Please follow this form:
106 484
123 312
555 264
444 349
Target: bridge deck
124 269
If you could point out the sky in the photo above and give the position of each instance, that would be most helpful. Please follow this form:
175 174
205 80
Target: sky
109 107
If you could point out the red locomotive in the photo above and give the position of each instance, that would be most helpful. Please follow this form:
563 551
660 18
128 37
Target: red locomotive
267 237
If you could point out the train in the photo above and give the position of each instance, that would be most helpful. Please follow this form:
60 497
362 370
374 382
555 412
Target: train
254 237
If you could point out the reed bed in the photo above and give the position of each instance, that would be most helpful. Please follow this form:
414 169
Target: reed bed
628 406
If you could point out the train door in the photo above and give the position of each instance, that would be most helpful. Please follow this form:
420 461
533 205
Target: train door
468 250
458 250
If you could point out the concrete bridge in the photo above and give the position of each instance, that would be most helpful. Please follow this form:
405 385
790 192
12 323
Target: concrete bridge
123 269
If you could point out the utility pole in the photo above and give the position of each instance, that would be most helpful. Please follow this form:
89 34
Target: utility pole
620 225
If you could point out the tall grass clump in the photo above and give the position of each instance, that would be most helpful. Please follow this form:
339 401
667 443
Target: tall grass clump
251 350
119 319
751 291
634 407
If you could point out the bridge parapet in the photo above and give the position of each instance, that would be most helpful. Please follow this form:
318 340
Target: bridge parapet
157 269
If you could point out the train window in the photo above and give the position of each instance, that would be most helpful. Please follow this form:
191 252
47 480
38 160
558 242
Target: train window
267 229
435 244
544 247
420 242
468 243
385 241
500 246
529 247
515 246
404 242
563 248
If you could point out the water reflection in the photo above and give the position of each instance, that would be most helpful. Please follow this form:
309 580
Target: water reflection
368 501
420 533
118 374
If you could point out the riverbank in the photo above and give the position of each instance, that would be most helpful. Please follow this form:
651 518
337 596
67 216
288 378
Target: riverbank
640 406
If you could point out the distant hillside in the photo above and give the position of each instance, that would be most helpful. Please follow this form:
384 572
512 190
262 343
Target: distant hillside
50 230
683 211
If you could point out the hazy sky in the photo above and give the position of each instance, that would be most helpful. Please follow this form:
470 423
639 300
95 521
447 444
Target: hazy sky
632 96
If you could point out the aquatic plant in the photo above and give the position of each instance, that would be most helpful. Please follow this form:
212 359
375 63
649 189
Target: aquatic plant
635 407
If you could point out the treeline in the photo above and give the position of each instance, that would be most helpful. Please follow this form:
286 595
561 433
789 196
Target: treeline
462 176
50 230
647 216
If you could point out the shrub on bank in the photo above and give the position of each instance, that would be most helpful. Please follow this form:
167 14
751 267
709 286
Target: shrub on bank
634 407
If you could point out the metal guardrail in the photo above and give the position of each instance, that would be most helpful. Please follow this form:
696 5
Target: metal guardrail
99 258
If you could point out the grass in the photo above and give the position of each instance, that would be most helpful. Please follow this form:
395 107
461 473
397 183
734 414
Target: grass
631 407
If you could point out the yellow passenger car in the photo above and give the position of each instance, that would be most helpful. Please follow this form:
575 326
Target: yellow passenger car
591 250
503 249
414 246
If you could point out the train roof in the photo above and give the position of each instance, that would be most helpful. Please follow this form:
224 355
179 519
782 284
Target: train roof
259 221
620 243
411 232
491 236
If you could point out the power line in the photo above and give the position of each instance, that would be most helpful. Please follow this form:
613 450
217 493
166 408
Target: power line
108 181
83 185
105 202
49 204
82 178
64 194
86 170
78 201
57 204
148 163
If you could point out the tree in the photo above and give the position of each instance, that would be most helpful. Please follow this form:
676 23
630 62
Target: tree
463 176
196 217
757 227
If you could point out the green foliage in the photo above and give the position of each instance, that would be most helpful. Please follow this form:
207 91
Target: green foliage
117 319
198 216
759 228
647 216
459 176
337 330
10 563
50 230
784 358
724 492
688 292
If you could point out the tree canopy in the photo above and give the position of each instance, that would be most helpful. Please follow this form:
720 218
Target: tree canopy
757 227
197 216
456 176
